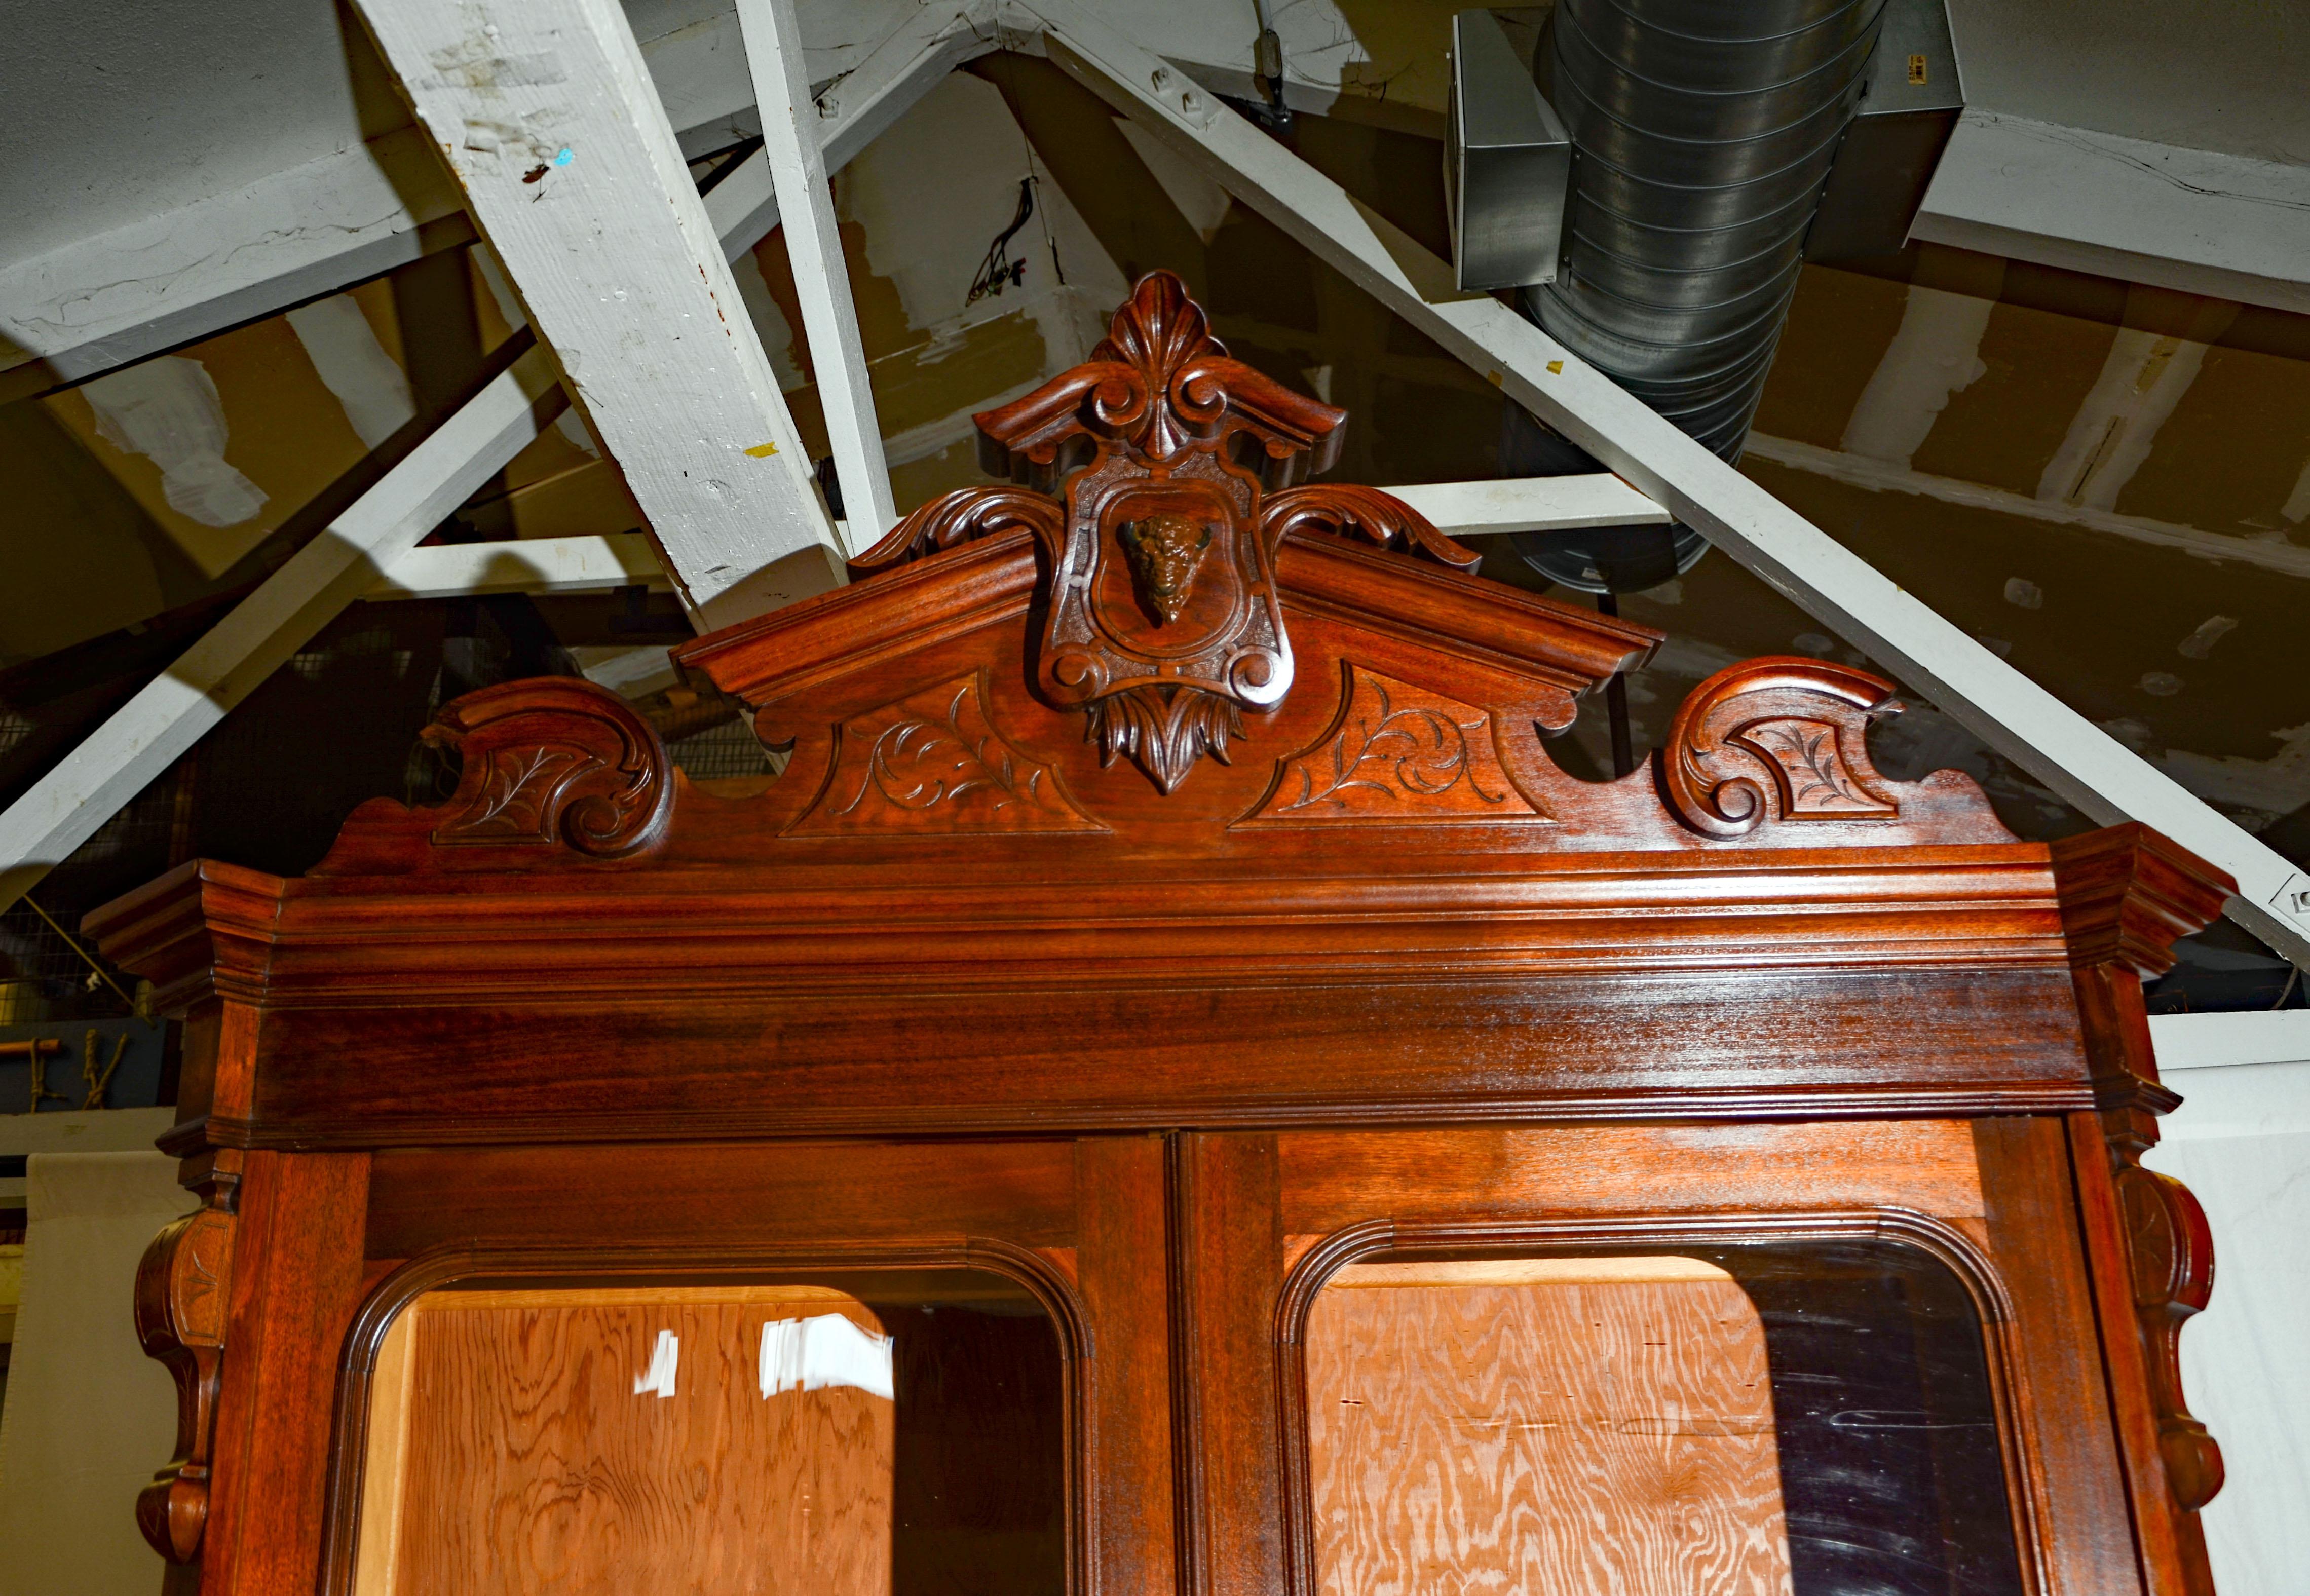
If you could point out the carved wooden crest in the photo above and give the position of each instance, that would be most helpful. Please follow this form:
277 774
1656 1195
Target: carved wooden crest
1158 480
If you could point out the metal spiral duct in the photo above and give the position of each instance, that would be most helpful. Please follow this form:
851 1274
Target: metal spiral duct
1703 131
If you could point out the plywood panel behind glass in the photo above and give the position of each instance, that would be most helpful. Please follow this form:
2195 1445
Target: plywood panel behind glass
1557 1428
525 1460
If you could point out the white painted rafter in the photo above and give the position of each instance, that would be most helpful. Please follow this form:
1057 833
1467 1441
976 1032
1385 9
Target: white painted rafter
167 280
545 114
522 565
2010 713
853 111
625 560
797 163
139 742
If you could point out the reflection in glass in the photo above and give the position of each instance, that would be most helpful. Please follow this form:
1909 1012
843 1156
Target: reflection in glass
857 1436
1813 1419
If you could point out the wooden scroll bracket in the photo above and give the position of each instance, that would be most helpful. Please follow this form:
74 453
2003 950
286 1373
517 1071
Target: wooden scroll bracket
1780 739
2127 895
182 1284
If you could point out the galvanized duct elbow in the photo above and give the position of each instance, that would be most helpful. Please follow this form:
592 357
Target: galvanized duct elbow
1703 131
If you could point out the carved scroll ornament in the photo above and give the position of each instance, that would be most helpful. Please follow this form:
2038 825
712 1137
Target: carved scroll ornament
2171 1248
1776 738
553 761
1173 466
180 1319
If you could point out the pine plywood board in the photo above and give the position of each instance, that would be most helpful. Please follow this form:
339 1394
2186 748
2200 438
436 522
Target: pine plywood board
1555 1437
509 1450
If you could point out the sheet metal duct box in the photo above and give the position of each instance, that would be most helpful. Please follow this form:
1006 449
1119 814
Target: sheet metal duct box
1507 161
1906 116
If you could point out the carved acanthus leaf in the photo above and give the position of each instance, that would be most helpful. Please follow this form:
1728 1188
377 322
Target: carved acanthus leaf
1164 730
960 517
1781 739
1367 513
550 761
933 761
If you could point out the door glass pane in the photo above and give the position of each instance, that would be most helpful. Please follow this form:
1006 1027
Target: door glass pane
853 1435
1810 1420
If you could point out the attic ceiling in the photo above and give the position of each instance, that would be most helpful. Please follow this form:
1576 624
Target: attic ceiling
2107 481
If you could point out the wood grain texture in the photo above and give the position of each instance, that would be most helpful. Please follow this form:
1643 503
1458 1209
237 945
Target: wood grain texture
705 1194
1123 1276
1334 1179
1226 1266
1557 1439
296 1283
532 1464
2072 1485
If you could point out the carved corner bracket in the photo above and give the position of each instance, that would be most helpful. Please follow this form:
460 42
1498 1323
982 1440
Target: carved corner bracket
2128 894
552 761
1780 739
181 1287
1157 478
2171 1250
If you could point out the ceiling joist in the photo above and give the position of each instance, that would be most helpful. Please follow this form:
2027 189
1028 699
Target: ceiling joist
545 113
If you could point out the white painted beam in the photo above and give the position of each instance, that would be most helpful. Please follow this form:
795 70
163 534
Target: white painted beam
2015 715
2216 1041
2271 553
1935 353
544 111
183 274
1532 504
830 322
2193 220
600 564
191 271
854 110
522 565
142 739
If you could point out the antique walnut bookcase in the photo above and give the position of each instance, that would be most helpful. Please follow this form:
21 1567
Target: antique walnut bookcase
1174 1090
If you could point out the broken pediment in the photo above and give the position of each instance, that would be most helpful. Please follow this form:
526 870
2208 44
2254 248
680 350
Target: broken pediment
1156 634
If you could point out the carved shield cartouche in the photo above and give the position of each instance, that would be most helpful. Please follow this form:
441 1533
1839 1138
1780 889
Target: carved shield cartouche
1156 477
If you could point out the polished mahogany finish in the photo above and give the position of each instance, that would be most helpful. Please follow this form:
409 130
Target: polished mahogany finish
1169 887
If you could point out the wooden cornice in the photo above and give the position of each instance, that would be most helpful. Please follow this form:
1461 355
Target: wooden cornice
2129 894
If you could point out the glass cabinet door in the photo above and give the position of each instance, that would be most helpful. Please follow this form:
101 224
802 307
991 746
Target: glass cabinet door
1811 1419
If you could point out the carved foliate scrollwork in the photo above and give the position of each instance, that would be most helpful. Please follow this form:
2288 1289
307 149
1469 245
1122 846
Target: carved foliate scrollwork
1397 753
1365 513
934 762
553 761
1164 621
1781 739
181 1285
960 517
